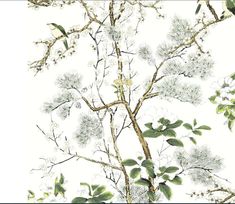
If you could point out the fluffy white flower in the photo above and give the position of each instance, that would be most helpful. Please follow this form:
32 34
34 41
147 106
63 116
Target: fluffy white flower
114 33
197 162
181 30
69 81
145 53
60 100
171 87
198 65
90 128
164 50
173 67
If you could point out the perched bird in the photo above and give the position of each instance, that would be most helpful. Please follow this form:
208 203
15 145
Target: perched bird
228 8
58 31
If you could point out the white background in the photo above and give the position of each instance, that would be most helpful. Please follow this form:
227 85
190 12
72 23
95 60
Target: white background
22 94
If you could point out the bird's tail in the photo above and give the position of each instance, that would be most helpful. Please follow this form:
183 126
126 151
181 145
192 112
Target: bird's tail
66 44
198 8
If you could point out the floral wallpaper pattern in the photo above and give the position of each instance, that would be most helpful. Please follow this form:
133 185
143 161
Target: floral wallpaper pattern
121 111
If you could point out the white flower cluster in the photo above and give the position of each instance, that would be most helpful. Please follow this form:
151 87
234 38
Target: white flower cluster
173 67
145 53
226 89
90 128
164 50
181 30
114 33
171 87
199 163
69 81
197 65
59 100
64 111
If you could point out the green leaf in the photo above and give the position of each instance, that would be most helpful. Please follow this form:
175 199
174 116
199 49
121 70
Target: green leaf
165 189
169 132
105 196
94 200
212 99
166 177
99 190
230 4
197 132
152 196
88 186
129 162
143 182
176 180
93 187
31 194
175 124
59 189
140 158
193 140
149 125
175 142
147 163
204 127
151 133
79 200
150 172
46 194
194 122
171 169
162 169
220 108
164 121
188 126
135 173
40 200
233 76
230 124
61 179
160 128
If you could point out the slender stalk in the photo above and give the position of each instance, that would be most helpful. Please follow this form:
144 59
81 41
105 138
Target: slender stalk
119 158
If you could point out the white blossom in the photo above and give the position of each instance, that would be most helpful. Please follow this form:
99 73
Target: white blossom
181 30
114 33
60 100
198 65
64 111
164 50
90 128
145 53
69 81
200 164
173 67
171 87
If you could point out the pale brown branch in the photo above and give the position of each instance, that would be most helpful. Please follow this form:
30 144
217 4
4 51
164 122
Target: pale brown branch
119 158
107 106
212 10
39 64
91 15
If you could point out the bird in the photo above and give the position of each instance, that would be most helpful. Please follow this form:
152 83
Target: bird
58 31
228 8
